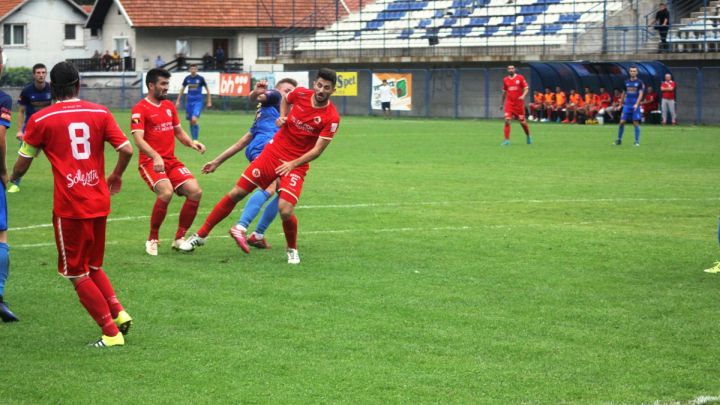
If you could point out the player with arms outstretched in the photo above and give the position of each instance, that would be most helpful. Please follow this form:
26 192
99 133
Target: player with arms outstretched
631 98
305 132
72 133
155 125
194 100
515 88
254 141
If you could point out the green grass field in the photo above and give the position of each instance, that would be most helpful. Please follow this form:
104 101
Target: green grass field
436 267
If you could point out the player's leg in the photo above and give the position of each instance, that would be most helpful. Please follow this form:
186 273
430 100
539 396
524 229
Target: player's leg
5 314
97 253
506 127
290 188
163 191
673 116
190 189
636 124
74 239
257 238
252 208
526 129
194 120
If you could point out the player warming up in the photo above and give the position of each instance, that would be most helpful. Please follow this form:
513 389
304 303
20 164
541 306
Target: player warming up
631 98
305 132
5 116
194 100
515 88
254 141
72 133
155 125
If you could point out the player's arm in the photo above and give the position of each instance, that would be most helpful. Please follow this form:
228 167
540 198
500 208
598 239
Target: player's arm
21 120
212 165
114 180
209 102
3 150
177 102
25 158
524 93
312 154
502 99
284 110
185 139
144 147
258 93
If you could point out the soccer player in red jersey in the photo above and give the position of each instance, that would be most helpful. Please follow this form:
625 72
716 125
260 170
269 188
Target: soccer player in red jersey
305 132
72 133
154 126
515 88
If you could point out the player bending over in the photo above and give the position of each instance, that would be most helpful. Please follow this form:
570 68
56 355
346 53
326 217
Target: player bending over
305 132
261 132
72 133
515 88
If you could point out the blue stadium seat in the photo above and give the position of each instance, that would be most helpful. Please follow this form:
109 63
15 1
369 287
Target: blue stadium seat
459 32
406 33
550 29
478 21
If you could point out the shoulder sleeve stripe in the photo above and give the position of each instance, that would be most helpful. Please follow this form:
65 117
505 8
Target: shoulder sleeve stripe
122 144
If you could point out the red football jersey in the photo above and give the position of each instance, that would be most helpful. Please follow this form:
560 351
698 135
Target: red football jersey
158 122
514 87
305 124
73 133
668 93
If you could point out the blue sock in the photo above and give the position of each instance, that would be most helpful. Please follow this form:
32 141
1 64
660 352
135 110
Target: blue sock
271 211
194 132
621 129
4 266
252 207
637 133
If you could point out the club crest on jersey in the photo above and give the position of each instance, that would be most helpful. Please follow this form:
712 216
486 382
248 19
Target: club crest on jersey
256 173
317 120
169 113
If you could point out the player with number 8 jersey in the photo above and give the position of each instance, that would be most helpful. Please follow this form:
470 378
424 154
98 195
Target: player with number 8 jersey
72 133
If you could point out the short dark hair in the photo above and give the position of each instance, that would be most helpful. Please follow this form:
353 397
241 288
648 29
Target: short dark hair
327 74
64 81
155 73
287 80
38 66
192 65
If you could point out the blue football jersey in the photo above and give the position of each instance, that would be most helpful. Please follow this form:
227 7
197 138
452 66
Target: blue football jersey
194 85
34 100
264 128
5 109
632 91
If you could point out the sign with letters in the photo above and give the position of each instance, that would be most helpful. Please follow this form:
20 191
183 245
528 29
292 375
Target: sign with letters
401 86
347 84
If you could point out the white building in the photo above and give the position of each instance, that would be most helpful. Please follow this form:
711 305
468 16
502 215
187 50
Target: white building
45 31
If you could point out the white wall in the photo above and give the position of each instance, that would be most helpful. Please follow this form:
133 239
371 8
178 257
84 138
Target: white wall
45 34
114 27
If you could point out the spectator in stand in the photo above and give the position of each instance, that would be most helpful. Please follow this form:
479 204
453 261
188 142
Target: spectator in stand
667 88
106 61
549 102
127 60
220 57
115 60
662 25
616 104
560 104
207 61
537 107
159 62
649 103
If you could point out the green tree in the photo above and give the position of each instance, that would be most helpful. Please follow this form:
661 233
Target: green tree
16 76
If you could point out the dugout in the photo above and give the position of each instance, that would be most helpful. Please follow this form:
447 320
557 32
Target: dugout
577 75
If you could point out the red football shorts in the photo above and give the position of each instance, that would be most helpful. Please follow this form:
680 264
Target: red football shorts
80 245
261 173
515 109
175 172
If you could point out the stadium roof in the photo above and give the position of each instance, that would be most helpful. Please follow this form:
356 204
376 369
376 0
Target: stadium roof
7 7
224 14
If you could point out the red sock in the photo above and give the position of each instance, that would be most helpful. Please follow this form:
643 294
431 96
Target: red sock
525 128
102 282
158 216
507 131
290 228
94 302
221 210
187 216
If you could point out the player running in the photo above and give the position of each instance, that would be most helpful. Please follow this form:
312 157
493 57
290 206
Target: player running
33 98
72 133
631 98
5 117
515 88
194 101
261 132
305 132
154 126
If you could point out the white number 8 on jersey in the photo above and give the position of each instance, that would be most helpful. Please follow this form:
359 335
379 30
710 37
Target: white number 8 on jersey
77 139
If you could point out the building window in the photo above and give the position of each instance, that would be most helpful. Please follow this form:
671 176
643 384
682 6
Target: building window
268 47
13 34
70 31
94 32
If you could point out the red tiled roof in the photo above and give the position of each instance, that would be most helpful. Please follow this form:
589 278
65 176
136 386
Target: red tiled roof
244 13
8 5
